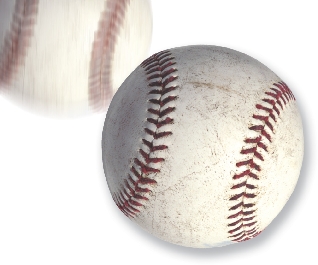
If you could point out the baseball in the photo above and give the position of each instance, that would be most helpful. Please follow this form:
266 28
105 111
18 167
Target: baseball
202 146
69 57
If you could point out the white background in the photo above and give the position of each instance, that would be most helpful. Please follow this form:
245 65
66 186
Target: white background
55 207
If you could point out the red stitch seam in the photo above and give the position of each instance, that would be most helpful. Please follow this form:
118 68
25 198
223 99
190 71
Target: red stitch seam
100 77
246 228
17 39
159 69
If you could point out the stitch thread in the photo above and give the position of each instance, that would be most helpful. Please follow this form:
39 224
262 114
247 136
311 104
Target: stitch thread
100 82
17 39
159 69
247 228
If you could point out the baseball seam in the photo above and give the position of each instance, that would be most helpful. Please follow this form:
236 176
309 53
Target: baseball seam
17 39
160 73
242 219
100 76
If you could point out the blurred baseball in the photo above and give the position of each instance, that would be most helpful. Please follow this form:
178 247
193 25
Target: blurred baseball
69 57
202 146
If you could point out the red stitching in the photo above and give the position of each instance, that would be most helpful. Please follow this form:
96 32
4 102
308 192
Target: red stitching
17 39
159 75
279 95
100 82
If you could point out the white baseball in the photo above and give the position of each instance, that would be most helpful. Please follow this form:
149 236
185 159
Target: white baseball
202 146
69 57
